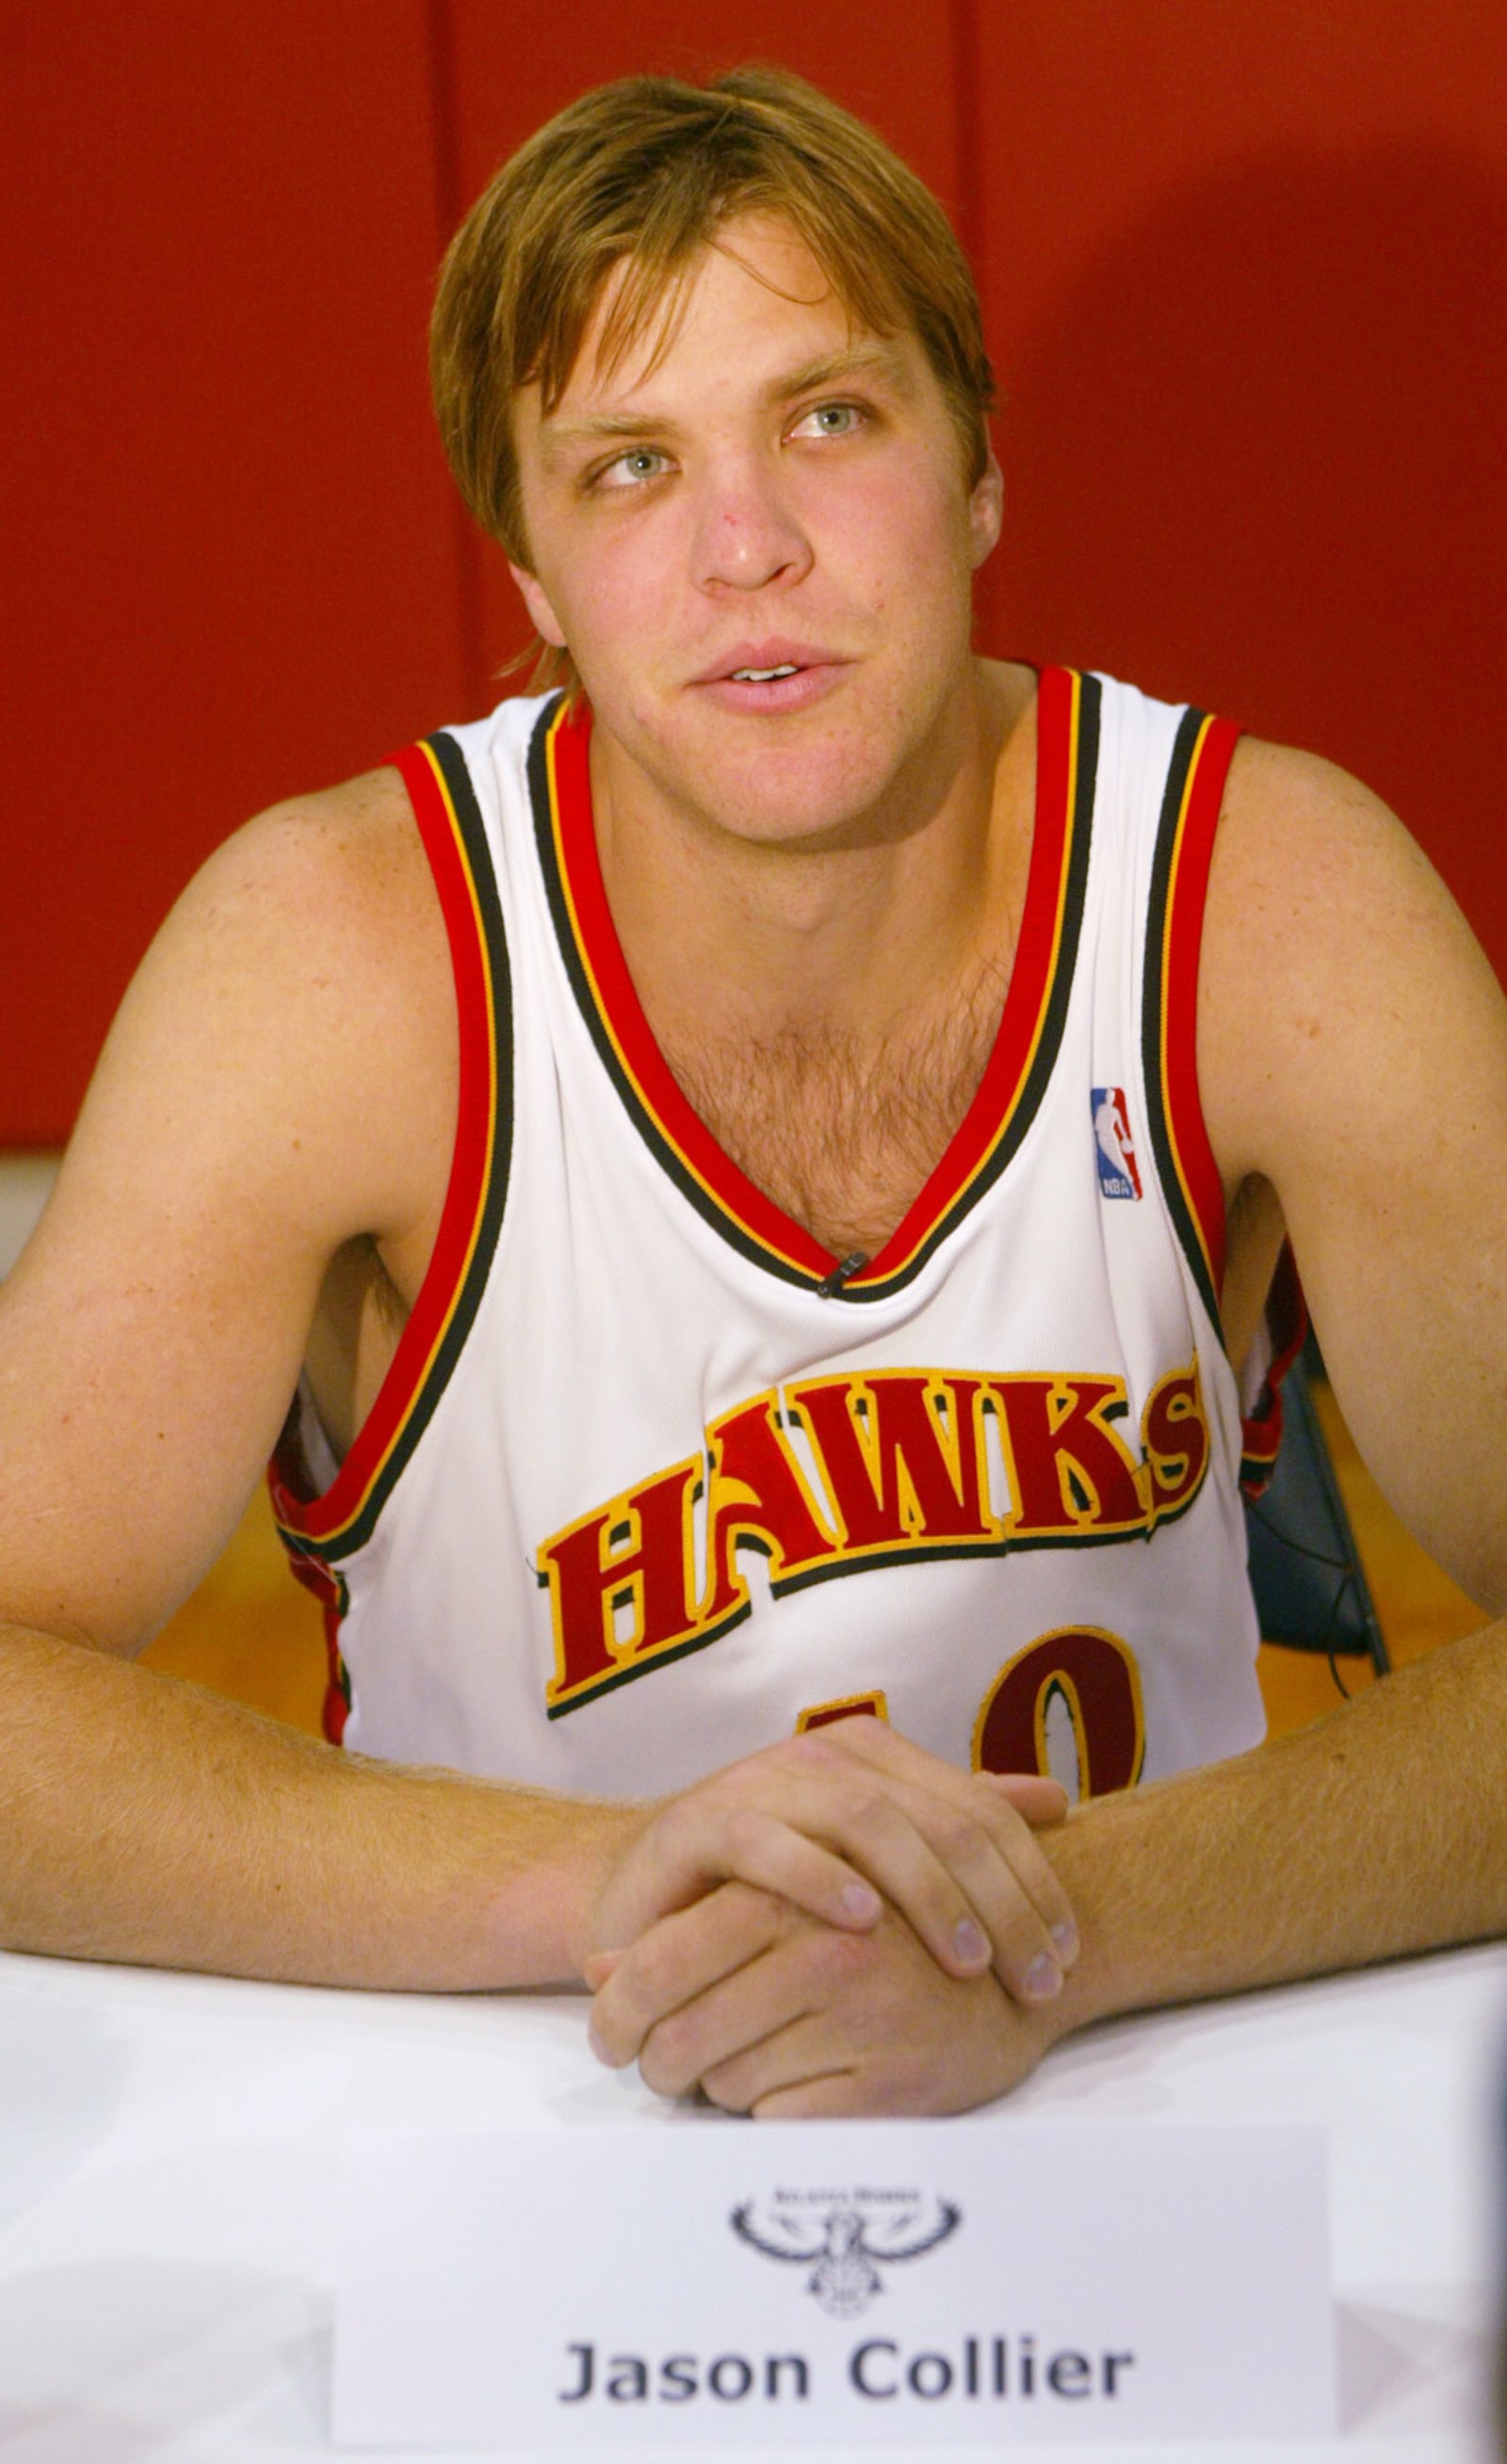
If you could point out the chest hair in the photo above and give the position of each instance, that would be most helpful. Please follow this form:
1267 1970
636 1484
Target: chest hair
843 1131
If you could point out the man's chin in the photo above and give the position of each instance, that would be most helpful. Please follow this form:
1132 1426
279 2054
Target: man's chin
817 803
816 777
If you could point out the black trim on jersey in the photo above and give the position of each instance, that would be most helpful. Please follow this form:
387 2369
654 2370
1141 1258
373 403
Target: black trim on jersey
1064 971
638 1114
635 1668
1154 1009
421 1409
1028 1102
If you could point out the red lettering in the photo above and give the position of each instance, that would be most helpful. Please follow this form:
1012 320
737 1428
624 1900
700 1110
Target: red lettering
1175 1435
902 1476
757 1494
1069 1470
650 1565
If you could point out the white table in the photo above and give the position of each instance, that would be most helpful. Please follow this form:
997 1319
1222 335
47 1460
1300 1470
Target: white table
168 2157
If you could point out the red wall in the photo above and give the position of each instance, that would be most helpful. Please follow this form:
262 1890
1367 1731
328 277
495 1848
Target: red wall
1243 270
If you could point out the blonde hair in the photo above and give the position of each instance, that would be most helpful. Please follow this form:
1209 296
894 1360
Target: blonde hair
641 174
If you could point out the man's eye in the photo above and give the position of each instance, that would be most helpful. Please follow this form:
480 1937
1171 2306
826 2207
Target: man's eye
831 419
639 463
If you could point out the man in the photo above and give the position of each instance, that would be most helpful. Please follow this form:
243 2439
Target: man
655 1132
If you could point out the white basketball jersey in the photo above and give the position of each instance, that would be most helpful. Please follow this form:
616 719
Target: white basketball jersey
654 1479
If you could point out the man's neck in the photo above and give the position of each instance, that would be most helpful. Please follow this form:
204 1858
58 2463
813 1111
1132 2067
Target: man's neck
840 939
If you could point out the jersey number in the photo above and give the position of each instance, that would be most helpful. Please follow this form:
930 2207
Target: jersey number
1086 1672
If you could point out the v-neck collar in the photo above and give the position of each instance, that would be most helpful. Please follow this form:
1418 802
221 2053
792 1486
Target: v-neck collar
1018 1066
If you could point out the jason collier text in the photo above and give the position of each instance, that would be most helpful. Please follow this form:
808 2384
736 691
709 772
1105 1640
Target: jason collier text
878 2369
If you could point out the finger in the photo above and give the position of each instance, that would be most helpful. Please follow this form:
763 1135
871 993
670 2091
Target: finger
783 2018
833 2096
1040 1799
1008 1880
1041 1802
681 1957
759 2002
882 1829
703 1841
942 1861
1013 1829
813 2057
979 1836
770 2074
595 1971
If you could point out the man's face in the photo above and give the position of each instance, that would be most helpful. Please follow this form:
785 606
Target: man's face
778 492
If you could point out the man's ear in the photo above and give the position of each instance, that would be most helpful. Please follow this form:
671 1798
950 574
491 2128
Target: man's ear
986 511
535 599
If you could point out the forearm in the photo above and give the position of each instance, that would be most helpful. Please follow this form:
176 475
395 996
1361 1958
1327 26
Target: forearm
1378 1831
148 1820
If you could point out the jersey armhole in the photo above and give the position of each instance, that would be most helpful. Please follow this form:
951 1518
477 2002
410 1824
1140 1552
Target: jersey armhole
1189 815
334 1524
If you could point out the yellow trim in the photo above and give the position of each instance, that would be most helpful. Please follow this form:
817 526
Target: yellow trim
873 1699
897 1266
1175 870
605 1015
622 1509
459 1281
1065 875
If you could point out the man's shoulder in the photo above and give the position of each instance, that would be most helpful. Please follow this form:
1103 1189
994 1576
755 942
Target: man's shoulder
340 879
1304 852
331 885
357 839
1333 957
299 995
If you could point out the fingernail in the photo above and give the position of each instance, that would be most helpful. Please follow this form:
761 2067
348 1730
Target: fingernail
594 2041
1065 1936
860 1903
1043 1977
970 1944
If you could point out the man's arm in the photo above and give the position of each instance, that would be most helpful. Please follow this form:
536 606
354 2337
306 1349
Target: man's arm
266 1093
1353 1057
280 1082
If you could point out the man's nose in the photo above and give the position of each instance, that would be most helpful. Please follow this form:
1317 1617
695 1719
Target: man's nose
748 533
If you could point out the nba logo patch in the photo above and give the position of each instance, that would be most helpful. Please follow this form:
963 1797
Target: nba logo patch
1114 1149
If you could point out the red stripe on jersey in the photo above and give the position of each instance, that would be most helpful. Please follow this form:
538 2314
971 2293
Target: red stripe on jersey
1032 975
621 1012
324 1518
1021 1025
1197 1170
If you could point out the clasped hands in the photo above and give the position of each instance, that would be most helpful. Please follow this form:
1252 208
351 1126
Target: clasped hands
840 1925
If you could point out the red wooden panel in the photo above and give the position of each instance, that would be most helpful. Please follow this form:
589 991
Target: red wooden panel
1244 269
893 61
230 533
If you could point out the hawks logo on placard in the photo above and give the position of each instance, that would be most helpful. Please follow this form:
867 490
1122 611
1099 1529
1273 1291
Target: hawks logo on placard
826 1478
845 2237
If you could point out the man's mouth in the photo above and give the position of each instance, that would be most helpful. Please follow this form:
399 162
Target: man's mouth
774 661
773 679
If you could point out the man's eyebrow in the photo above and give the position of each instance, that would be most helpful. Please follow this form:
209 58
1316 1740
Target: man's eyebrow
558 437
865 360
562 436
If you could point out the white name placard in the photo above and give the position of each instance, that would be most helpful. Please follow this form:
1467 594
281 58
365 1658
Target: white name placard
728 2284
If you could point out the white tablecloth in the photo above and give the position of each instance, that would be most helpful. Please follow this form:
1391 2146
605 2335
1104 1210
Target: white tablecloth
169 2152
